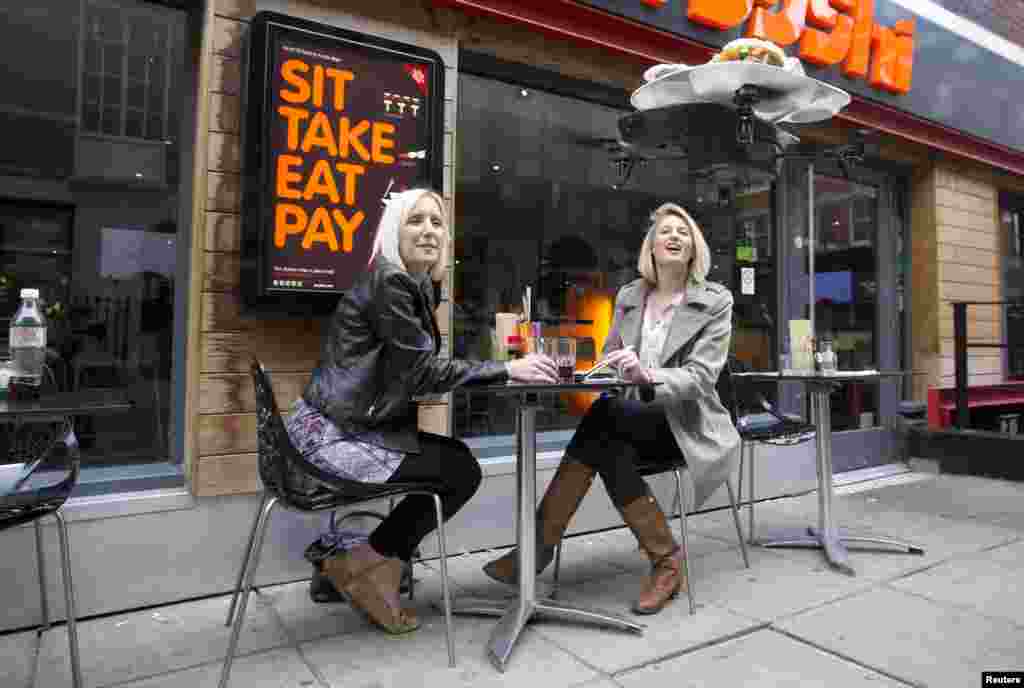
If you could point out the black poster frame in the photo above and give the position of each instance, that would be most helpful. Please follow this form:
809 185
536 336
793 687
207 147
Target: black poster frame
257 299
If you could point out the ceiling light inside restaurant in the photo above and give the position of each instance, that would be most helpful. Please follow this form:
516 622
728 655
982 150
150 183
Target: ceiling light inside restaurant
496 167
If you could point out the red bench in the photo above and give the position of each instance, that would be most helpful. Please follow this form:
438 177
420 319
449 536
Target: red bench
942 400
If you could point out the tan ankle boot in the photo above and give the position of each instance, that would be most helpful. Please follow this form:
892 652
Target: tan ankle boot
668 569
375 593
370 582
567 489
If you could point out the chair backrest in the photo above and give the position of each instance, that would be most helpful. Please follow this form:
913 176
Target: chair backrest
277 454
22 501
286 475
726 388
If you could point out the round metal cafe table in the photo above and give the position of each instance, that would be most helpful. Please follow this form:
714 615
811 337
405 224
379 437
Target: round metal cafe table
515 615
827 536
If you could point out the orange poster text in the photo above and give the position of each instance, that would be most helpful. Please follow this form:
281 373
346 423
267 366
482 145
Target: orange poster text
322 227
323 80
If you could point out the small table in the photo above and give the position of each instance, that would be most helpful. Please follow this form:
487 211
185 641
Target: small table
827 536
92 402
516 615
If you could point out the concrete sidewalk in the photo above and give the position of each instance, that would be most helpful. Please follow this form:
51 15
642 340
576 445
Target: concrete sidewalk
935 620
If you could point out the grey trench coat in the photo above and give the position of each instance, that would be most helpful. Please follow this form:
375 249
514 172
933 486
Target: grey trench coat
695 352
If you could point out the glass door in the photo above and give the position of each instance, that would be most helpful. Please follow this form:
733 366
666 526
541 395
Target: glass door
858 296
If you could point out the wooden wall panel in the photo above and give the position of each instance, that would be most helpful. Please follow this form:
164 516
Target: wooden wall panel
280 349
226 475
226 78
223 232
225 113
234 393
224 192
221 271
233 433
225 153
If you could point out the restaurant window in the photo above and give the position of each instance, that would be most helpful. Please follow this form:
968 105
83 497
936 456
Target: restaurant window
539 202
94 214
1012 220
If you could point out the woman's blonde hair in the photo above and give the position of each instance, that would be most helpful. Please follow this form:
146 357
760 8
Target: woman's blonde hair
396 214
700 262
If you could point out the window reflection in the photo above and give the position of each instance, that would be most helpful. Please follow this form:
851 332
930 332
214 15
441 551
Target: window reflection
537 205
846 290
90 183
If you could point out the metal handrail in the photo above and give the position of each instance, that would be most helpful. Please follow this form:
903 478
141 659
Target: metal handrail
960 346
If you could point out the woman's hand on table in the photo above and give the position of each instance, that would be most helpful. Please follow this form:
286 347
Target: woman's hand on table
533 368
626 362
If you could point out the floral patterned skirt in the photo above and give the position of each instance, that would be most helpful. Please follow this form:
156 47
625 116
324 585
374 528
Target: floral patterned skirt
352 455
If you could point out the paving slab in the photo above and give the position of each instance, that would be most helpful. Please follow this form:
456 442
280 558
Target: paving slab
17 659
373 659
916 640
666 634
985 499
146 643
602 682
778 583
307 620
942 539
764 658
991 583
273 669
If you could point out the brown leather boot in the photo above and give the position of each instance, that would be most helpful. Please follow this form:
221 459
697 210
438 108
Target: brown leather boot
561 500
668 569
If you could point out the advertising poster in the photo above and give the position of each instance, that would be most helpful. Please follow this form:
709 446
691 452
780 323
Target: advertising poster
345 120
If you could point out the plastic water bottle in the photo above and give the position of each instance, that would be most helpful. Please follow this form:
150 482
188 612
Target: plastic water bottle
28 339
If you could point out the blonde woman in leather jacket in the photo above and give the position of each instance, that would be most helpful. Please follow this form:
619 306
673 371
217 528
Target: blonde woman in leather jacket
357 418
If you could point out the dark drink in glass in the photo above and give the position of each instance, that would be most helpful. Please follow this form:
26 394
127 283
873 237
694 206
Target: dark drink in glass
566 369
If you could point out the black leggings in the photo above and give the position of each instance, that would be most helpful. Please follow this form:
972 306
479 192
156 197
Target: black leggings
616 434
442 461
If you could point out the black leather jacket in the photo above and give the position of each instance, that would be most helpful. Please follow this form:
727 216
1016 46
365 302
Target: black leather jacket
381 349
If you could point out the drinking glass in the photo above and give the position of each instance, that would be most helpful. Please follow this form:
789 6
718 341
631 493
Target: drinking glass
562 350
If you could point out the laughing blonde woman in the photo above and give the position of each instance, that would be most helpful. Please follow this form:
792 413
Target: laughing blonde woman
671 326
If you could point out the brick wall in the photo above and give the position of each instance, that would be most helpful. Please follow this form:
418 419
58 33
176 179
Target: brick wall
956 244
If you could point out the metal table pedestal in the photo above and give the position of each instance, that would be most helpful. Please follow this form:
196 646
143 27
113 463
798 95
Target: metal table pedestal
832 540
516 615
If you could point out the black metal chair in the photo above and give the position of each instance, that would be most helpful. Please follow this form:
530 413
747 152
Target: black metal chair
299 486
31 491
769 426
677 469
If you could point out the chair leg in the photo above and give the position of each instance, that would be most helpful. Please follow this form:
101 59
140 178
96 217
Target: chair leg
736 520
245 560
558 564
252 561
750 514
685 543
442 549
69 599
41 564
